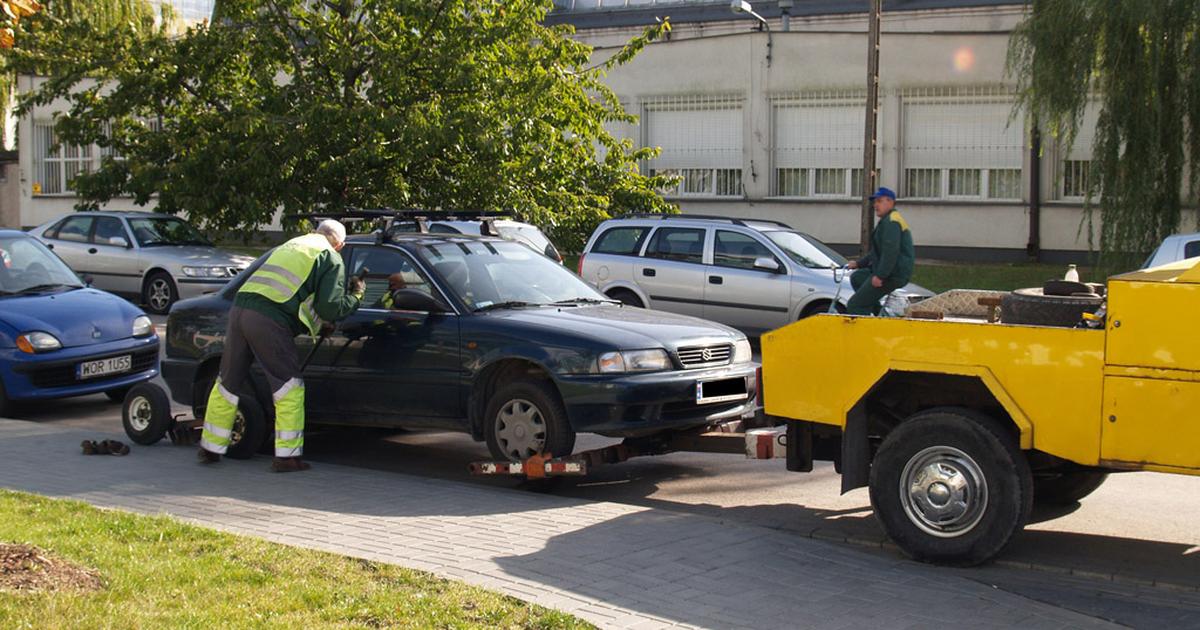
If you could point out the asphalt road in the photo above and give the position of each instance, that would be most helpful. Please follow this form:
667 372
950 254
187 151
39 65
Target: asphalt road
1129 553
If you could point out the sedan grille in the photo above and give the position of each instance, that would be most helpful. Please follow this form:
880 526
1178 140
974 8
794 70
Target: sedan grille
705 356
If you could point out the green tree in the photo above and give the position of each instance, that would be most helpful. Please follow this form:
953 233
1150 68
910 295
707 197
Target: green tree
294 105
1139 60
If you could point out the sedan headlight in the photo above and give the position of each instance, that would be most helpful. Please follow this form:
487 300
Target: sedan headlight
142 326
634 361
742 352
38 341
205 272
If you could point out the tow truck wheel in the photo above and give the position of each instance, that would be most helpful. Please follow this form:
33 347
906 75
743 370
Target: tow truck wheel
526 418
950 486
1067 487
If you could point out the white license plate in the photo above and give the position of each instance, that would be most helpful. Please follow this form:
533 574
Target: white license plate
104 367
723 390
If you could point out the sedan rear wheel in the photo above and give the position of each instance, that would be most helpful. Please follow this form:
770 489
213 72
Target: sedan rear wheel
527 418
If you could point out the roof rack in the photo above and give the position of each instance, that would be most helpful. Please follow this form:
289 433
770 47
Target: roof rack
391 216
706 217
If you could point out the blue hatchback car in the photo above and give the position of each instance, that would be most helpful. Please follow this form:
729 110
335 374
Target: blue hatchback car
60 339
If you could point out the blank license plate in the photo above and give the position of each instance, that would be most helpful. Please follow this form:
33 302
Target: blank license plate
723 390
104 367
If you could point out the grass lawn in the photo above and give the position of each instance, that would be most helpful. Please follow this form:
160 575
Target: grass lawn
942 276
158 572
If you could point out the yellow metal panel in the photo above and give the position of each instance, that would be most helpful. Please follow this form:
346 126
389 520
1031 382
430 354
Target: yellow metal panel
1153 325
818 368
1151 424
1186 270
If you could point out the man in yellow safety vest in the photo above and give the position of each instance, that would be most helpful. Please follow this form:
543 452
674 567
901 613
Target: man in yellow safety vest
300 285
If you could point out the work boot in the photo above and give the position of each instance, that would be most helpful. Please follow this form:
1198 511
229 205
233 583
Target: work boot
289 464
206 456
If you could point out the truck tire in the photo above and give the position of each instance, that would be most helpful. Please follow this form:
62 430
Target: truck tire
950 486
526 418
146 414
1067 487
1031 307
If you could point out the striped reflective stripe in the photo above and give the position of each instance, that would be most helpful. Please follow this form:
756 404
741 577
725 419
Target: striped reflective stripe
219 449
274 284
289 435
218 431
280 271
229 396
287 387
289 452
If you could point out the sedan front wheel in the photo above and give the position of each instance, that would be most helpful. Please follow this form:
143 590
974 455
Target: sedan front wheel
527 418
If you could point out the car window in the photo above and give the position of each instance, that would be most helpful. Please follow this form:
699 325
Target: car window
733 249
806 250
388 269
1192 249
76 229
682 244
438 228
621 240
152 231
26 264
109 231
487 273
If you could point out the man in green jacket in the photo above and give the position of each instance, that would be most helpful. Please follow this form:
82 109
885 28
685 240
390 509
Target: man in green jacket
889 263
299 286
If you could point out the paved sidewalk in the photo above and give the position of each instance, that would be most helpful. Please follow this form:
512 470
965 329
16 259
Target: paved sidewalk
612 564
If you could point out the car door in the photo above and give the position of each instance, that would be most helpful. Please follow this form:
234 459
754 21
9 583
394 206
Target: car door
393 367
71 242
739 295
110 259
671 273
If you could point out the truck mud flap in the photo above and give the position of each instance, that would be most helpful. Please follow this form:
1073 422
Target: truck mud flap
855 465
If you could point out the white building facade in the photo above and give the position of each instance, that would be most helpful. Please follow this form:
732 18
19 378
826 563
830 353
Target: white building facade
782 138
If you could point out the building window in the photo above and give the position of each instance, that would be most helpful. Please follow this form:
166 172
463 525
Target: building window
1075 178
700 140
817 144
56 166
960 144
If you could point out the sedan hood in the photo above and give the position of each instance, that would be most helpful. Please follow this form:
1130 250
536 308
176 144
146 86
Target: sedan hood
197 255
77 318
624 328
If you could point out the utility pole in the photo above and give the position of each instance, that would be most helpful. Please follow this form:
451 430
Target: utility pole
868 178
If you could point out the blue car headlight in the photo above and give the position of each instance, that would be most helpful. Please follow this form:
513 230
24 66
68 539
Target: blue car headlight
655 360
37 341
142 326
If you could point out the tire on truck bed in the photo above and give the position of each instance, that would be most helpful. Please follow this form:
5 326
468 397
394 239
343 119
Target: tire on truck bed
1031 307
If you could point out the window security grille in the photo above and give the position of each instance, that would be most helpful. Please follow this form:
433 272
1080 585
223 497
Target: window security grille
701 142
817 140
958 143
55 166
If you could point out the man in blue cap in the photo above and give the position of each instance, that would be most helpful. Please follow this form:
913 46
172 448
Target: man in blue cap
889 263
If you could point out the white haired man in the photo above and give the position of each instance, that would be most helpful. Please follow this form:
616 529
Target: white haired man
300 285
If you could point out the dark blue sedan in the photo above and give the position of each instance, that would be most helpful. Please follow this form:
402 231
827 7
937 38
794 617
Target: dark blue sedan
60 339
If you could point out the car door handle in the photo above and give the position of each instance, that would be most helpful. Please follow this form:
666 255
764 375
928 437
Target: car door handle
649 272
716 280
92 250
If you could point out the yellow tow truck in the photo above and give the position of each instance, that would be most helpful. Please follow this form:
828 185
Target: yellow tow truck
958 425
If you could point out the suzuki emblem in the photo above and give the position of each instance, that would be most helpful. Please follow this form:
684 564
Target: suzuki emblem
706 354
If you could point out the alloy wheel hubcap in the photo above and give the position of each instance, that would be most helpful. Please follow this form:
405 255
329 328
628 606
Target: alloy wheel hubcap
943 491
140 413
520 429
160 294
239 428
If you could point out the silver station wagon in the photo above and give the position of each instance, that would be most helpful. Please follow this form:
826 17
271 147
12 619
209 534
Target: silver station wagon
754 275
154 257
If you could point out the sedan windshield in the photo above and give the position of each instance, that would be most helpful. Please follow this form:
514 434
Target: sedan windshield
26 267
495 274
166 231
806 250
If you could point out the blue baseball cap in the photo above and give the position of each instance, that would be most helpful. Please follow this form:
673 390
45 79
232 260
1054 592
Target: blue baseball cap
884 192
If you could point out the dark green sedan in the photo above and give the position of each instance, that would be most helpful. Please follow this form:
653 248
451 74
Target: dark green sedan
483 335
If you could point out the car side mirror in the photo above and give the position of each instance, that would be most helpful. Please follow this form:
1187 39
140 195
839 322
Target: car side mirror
767 264
121 241
414 300
87 279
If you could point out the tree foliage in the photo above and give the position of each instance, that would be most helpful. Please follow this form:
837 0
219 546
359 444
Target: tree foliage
294 105
1139 62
